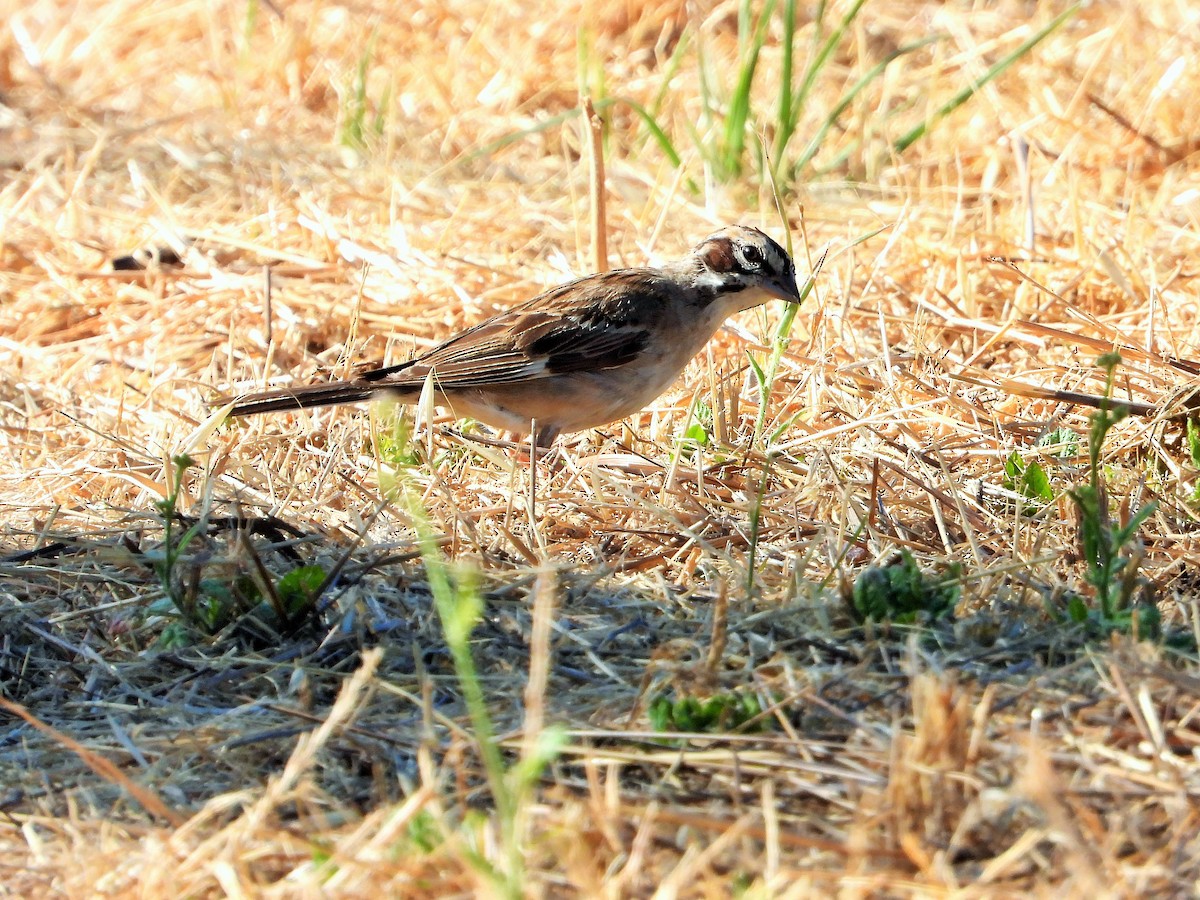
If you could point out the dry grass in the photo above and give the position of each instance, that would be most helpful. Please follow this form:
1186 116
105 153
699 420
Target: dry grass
1004 755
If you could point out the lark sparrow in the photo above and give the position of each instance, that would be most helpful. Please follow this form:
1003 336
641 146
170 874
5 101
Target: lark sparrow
581 355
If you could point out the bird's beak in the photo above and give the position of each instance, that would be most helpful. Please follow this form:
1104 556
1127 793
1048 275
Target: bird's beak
783 288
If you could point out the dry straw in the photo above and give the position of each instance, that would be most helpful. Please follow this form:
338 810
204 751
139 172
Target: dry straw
345 184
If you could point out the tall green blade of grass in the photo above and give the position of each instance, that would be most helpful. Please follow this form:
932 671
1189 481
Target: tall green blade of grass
669 71
459 607
708 111
817 64
583 60
590 68
766 375
784 330
994 72
790 117
785 124
814 144
656 131
354 113
518 134
248 25
650 116
752 36
756 525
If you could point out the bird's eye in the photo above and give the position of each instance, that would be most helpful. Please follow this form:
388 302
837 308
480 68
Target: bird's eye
752 255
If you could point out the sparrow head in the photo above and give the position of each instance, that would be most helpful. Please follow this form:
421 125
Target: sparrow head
745 266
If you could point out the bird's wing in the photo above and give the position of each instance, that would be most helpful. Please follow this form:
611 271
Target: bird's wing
583 326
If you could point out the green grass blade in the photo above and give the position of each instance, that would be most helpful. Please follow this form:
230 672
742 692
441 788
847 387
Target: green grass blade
756 525
817 63
513 136
785 122
651 116
656 130
994 72
739 104
814 143
766 375
669 71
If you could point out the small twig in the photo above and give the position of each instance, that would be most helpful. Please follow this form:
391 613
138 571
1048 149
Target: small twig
268 316
545 596
1124 122
720 630
1022 154
595 126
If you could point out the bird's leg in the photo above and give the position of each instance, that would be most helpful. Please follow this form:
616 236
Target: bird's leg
543 435
540 446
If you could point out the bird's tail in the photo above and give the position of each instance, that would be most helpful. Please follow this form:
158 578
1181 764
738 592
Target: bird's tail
304 397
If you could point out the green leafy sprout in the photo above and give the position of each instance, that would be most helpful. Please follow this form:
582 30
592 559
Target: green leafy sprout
1112 552
900 592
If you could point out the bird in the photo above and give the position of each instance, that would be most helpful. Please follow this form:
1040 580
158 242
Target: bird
578 356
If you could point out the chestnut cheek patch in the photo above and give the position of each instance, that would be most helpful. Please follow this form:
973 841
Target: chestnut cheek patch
718 256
